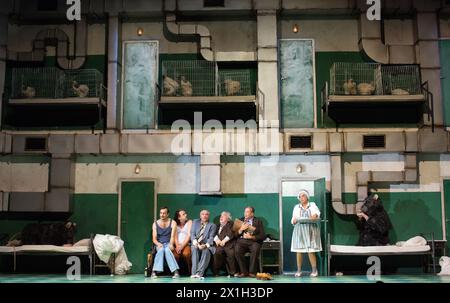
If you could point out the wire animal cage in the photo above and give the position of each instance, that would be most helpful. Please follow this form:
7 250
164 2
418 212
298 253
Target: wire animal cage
401 79
355 79
189 78
235 82
86 83
37 82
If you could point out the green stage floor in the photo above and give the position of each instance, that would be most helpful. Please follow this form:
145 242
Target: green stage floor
138 278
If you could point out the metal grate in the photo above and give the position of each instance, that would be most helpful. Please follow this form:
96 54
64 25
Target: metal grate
83 83
35 144
301 141
37 82
189 78
374 141
235 82
401 79
355 79
54 83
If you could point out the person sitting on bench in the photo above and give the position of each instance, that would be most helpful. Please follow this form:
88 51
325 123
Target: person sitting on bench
183 238
202 235
164 237
224 244
249 241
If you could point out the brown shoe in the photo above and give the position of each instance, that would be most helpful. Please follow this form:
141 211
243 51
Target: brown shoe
242 275
252 275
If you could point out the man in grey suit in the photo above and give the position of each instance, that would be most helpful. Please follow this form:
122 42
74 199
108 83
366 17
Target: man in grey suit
202 235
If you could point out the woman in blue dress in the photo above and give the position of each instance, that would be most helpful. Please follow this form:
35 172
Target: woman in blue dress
306 235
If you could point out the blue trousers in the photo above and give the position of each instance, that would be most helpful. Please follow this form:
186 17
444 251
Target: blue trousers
158 264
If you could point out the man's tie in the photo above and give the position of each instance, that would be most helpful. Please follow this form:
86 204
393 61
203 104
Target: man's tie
201 232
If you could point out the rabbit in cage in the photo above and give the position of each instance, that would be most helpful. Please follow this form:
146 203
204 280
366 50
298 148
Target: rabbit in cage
350 87
81 90
366 88
28 92
186 86
399 91
232 87
171 86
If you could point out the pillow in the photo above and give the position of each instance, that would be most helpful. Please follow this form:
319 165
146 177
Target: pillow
83 242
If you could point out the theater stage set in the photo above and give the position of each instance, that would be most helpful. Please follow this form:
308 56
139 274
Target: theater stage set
219 105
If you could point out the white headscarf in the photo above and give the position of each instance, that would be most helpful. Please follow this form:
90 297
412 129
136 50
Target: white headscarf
303 192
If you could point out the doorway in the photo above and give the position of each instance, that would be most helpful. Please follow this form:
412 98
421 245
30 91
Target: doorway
288 199
137 202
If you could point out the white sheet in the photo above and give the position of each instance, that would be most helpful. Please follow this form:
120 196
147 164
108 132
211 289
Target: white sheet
105 245
389 249
44 248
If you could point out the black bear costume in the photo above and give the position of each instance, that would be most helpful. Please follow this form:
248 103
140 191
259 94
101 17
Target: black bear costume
49 233
374 231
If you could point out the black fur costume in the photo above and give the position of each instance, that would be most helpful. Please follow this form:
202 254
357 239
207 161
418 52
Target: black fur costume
49 233
374 231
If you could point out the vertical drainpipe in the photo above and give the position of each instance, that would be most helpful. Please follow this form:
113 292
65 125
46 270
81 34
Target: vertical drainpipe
427 45
267 52
3 55
113 106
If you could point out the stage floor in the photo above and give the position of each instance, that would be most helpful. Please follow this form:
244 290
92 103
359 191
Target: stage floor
138 278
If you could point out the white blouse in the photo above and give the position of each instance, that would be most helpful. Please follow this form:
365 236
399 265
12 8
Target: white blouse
311 205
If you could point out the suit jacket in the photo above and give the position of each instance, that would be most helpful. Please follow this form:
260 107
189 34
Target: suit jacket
208 234
227 231
259 233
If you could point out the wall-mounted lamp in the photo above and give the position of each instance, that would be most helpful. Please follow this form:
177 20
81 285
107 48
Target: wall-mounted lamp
299 169
137 169
140 31
295 28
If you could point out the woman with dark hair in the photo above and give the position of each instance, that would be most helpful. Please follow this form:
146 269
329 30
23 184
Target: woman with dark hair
183 238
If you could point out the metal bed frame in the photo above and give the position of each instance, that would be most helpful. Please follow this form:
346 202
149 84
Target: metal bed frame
431 253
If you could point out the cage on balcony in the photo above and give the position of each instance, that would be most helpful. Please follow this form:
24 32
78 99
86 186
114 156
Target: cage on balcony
84 83
355 79
235 82
401 79
37 82
189 78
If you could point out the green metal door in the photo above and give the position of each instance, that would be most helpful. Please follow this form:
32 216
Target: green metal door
447 211
297 82
137 216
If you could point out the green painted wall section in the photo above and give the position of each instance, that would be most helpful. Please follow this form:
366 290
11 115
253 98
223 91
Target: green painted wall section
411 213
25 159
95 213
153 158
266 206
444 46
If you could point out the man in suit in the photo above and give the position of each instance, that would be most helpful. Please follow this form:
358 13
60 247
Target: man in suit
224 240
249 242
202 236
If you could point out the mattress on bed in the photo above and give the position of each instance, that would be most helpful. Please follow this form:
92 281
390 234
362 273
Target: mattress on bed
389 249
45 248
